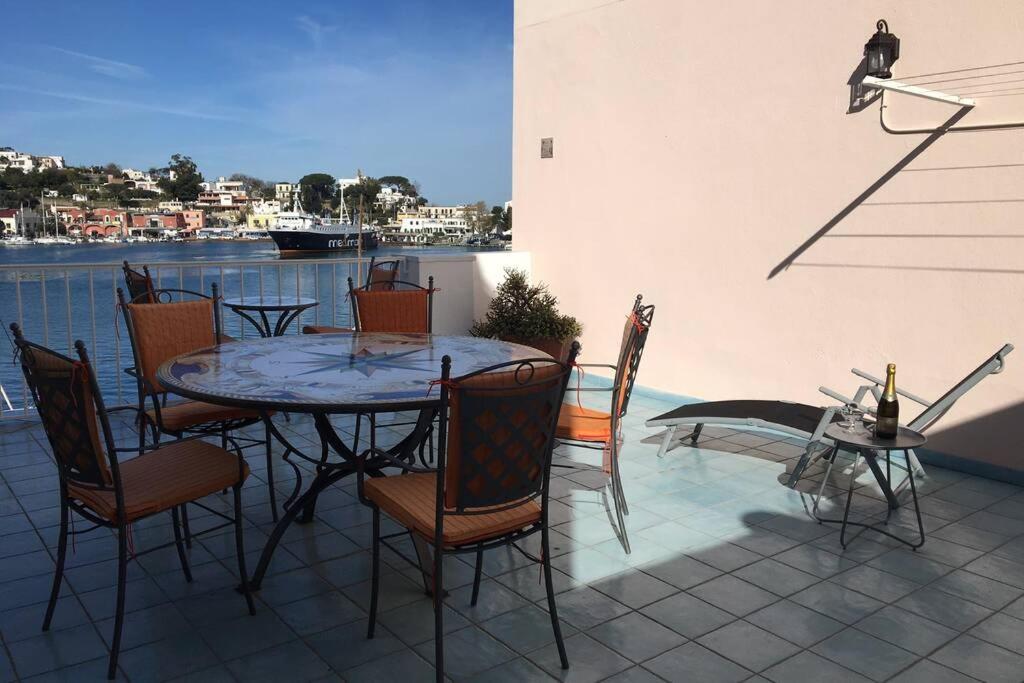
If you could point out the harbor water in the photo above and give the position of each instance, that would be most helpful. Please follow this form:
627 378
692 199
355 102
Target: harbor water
66 298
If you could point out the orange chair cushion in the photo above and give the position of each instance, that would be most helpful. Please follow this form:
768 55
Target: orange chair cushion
163 331
583 424
325 329
185 414
162 479
411 500
396 312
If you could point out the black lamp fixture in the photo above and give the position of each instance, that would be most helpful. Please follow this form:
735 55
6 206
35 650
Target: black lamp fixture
881 51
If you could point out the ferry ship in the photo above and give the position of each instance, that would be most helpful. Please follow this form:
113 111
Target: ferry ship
297 232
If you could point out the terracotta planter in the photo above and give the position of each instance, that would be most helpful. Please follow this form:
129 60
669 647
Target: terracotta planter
556 348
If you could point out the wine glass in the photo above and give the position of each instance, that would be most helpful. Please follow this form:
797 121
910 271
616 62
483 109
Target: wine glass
851 416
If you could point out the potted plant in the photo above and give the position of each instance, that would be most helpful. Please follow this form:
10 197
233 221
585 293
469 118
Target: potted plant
528 314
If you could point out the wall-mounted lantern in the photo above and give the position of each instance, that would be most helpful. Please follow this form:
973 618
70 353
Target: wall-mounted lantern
881 51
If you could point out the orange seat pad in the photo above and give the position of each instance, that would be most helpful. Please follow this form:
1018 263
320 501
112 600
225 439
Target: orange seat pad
185 414
159 480
583 424
411 500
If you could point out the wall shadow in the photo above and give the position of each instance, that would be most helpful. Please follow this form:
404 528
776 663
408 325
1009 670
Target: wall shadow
978 446
874 187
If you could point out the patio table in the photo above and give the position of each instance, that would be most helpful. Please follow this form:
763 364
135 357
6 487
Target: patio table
325 375
288 308
862 441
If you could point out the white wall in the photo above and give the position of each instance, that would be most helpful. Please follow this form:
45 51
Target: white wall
466 283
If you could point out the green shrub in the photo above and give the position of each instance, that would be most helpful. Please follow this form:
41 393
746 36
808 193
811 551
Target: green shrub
521 311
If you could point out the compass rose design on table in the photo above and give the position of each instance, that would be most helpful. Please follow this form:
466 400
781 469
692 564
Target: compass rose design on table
329 370
367 361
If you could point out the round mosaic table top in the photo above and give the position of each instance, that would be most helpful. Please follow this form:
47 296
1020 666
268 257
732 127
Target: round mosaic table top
331 372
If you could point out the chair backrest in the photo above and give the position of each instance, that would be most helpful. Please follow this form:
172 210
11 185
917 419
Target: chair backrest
382 275
159 332
634 338
497 431
70 407
140 285
403 308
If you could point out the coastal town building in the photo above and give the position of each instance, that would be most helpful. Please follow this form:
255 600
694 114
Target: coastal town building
263 214
458 211
20 221
22 161
284 191
172 205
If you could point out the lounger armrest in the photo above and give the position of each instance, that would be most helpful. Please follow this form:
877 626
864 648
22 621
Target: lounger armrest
847 401
881 383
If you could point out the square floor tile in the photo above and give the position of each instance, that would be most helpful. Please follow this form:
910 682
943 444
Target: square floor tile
468 651
293 661
748 645
179 655
319 613
519 670
358 649
687 615
946 609
636 637
589 660
976 588
907 630
401 666
982 660
682 572
525 629
693 662
795 623
56 649
838 602
1002 630
814 560
585 608
635 589
876 583
865 654
776 577
808 666
529 582
733 595
1000 569
927 671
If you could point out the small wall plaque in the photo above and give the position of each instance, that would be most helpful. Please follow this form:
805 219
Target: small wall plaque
547 148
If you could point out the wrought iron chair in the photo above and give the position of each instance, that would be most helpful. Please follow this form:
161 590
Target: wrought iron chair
382 274
405 307
164 329
589 428
111 493
140 285
490 488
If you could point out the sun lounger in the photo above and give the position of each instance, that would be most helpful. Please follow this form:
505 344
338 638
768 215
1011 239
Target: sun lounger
809 422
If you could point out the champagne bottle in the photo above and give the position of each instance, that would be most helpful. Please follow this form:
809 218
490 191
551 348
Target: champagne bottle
888 422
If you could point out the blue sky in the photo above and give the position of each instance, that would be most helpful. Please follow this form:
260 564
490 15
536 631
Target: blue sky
421 88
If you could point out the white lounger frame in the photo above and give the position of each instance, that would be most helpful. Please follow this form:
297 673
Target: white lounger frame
817 444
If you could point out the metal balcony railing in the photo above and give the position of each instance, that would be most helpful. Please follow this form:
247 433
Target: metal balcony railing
57 304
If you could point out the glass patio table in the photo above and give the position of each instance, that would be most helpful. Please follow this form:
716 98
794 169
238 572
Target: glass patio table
331 374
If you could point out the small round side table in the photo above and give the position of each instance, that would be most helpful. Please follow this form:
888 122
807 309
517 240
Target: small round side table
288 307
865 444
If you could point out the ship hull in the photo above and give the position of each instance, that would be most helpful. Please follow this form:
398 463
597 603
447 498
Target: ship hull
296 242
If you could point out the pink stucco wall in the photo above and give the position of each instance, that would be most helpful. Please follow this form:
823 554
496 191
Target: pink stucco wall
698 144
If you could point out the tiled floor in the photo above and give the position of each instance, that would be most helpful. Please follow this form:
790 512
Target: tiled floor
729 580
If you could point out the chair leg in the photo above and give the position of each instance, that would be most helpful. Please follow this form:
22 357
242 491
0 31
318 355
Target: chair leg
180 545
270 473
58 571
243 575
549 587
619 499
476 574
185 526
438 613
122 571
375 574
617 476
